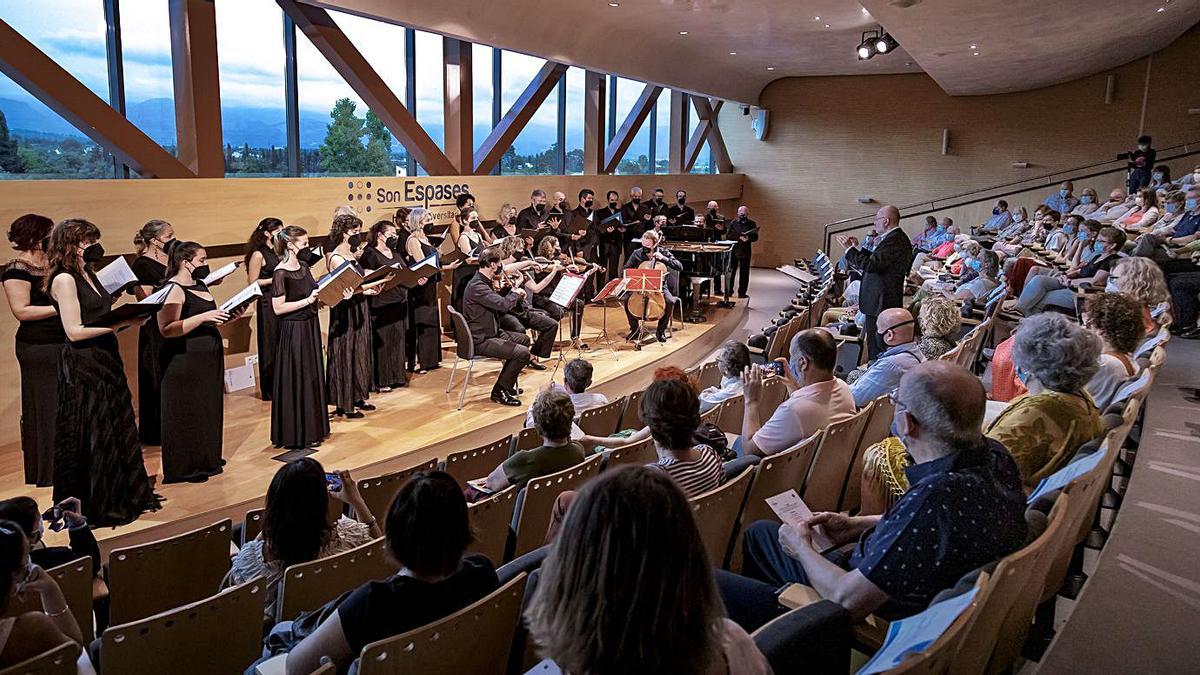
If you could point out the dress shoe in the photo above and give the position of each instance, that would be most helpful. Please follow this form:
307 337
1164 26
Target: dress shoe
363 405
504 398
1191 333
534 365
660 336
743 295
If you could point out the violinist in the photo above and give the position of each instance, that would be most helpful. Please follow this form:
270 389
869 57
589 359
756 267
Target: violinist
483 307
550 251
516 275
651 256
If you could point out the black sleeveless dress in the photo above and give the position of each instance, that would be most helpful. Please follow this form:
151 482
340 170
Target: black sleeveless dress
39 349
298 409
150 273
97 457
389 310
424 321
266 327
193 367
349 372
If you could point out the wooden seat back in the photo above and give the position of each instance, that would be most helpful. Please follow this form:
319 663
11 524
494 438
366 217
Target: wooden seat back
733 409
252 525
827 477
146 579
602 420
774 475
711 416
939 657
710 375
308 586
532 516
717 512
490 520
526 439
477 462
631 417
774 392
476 639
61 660
642 452
877 427
378 492
219 634
74 579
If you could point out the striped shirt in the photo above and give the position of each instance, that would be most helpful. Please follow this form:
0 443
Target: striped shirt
697 476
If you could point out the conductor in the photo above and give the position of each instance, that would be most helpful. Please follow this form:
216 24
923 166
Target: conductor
649 251
482 307
883 272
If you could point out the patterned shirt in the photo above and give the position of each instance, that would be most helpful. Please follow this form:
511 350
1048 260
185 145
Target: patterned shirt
963 511
1043 431
697 476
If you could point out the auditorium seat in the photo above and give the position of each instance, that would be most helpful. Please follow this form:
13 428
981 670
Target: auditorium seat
710 375
161 575
717 514
631 418
476 639
477 462
732 412
491 520
252 525
58 661
526 439
74 579
642 452
774 475
378 492
308 586
602 420
823 488
535 502
877 427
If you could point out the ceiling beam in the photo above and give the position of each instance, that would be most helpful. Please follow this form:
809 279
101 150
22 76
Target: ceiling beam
708 110
197 84
362 78
594 96
629 128
29 67
458 108
501 139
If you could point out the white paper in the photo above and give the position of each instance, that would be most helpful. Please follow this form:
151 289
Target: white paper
796 273
157 297
917 632
328 278
116 275
253 290
567 286
792 510
992 410
429 261
238 378
546 667
221 273
1068 473
725 241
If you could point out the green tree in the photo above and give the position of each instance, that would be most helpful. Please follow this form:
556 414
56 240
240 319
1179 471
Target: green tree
341 151
10 156
379 147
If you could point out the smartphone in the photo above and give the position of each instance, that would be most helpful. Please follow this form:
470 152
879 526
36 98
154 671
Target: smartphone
333 482
54 516
775 367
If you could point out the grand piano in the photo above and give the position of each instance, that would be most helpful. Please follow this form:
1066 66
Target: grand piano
704 260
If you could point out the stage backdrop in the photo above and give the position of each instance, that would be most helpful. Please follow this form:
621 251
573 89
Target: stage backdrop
222 212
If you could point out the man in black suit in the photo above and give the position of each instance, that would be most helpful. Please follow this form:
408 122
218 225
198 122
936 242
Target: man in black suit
583 241
483 308
658 206
883 271
637 219
533 217
680 213
745 232
611 235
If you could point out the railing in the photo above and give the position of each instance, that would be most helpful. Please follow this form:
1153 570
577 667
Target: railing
1006 189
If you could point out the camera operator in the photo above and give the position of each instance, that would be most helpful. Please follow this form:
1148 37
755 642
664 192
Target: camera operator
1140 163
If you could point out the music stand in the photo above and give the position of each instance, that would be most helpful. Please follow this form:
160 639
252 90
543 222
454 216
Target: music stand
639 280
610 291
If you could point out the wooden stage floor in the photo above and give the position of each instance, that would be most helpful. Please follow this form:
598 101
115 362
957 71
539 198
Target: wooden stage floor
410 426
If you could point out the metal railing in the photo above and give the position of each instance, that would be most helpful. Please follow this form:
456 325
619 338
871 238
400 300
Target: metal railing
1007 189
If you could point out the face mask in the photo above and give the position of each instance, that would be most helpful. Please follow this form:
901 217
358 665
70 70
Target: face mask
587 203
1083 235
974 264
512 220
681 201
1172 207
1086 199
392 242
306 256
658 200
354 240
941 228
1196 177
712 212
1157 177
1191 204
996 210
1017 217
1063 192
200 272
612 205
1111 286
1143 147
1023 377
635 202
1098 247
93 253
1159 309
539 208
1140 202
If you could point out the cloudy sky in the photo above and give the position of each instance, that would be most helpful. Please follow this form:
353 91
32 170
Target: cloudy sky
251 59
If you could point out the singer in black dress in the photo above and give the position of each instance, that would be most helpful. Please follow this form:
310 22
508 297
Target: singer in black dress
150 267
350 371
298 410
260 267
192 361
97 457
388 310
424 318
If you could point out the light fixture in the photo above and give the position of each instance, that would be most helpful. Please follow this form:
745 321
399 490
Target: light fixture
683 32
876 41
885 43
733 53
974 53
816 18
974 47
770 67
827 25
614 4
865 50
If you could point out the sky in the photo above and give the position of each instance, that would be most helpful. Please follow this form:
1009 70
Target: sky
250 54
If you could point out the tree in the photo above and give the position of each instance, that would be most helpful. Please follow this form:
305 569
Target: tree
10 156
379 147
341 151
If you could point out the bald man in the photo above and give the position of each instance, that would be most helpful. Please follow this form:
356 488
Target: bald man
896 329
883 272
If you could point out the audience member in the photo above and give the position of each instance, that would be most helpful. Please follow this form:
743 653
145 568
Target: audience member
922 242
1087 203
1115 207
29 634
817 398
732 361
896 330
1144 214
1117 319
577 377
299 526
1059 290
1001 218
1160 178
1063 200
629 436
671 411
24 511
1054 358
1143 281
939 320
1188 226
987 268
628 588
1174 211
427 536
553 414
965 509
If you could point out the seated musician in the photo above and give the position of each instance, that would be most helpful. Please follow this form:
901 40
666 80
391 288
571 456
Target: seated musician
551 250
518 266
483 306
650 252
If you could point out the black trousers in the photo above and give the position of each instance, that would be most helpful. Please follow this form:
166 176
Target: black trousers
1184 291
540 323
663 321
611 258
557 312
739 268
513 349
874 341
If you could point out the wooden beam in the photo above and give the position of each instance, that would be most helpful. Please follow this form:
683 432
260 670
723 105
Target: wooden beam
678 132
707 110
29 67
197 82
501 139
353 67
458 107
629 128
594 96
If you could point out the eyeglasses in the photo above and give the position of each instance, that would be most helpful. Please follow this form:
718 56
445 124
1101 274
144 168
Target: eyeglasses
899 405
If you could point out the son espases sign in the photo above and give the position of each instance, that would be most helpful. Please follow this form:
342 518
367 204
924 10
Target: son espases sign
378 198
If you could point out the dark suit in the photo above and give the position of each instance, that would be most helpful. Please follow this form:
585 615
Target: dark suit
681 215
740 267
483 307
670 284
657 209
637 219
883 272
585 245
610 243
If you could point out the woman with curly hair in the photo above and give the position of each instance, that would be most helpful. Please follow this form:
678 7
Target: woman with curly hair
1142 280
1055 358
1117 319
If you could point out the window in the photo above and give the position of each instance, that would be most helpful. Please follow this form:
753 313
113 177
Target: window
704 159
34 141
481 94
575 129
146 55
637 157
250 57
534 151
662 133
430 88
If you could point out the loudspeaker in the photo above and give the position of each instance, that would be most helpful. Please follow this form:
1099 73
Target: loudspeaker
945 141
1110 88
759 119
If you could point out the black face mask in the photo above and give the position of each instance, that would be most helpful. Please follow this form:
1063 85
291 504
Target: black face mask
712 212
587 203
512 220
93 253
392 242
635 202
658 200
307 256
355 240
612 205
681 200
539 208
200 272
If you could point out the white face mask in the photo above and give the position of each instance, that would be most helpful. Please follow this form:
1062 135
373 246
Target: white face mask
1017 217
1111 287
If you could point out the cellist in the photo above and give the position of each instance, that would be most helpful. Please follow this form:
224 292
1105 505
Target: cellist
650 256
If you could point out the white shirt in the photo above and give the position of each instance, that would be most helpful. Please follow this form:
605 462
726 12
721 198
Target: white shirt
713 396
805 412
1107 380
582 401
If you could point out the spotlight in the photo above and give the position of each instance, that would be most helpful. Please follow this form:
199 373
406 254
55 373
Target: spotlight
874 42
866 50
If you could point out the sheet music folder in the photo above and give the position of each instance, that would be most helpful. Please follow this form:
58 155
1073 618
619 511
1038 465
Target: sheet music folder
332 286
132 310
410 277
644 280
568 288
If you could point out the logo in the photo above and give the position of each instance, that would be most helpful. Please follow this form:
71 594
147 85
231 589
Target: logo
384 196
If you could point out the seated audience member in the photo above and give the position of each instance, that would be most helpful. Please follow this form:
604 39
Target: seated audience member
1191 179
1063 200
1087 203
577 377
922 241
625 436
671 411
29 634
1174 210
628 588
1117 319
1117 205
817 398
298 527
1160 179
732 361
1001 218
427 536
553 415
965 509
24 511
1144 213
897 327
987 267
939 320
1142 280
1055 358
1059 290
1057 236
1019 223
1187 229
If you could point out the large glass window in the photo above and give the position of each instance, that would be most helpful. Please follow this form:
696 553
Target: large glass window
637 157
34 141
662 133
704 159
146 55
535 150
250 57
430 89
575 121
481 94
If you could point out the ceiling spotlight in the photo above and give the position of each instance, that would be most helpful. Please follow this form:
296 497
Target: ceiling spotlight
827 25
866 50
770 67
614 4
885 43
816 18
974 53
683 32
733 53
974 47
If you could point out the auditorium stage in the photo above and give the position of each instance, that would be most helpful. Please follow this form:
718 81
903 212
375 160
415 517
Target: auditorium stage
410 425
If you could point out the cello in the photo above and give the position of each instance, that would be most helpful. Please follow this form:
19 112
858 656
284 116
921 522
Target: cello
648 306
